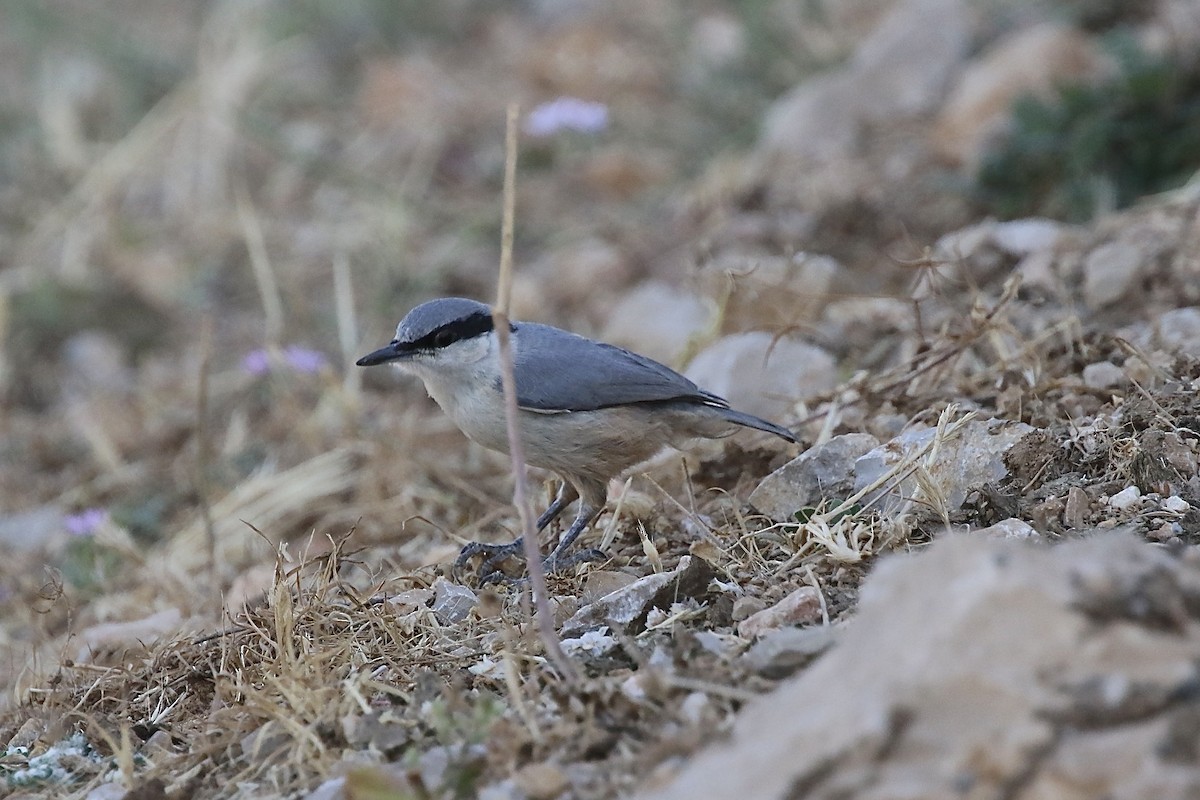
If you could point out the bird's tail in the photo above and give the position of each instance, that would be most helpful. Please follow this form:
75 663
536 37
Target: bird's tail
751 421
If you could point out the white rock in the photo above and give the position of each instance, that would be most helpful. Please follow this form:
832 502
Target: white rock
1179 331
973 458
1011 528
1125 498
1104 375
1021 237
1110 271
1176 505
762 375
452 602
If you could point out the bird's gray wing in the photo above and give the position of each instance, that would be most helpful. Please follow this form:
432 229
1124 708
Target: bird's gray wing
560 371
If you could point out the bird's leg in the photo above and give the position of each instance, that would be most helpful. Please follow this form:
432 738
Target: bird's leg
592 497
557 560
494 554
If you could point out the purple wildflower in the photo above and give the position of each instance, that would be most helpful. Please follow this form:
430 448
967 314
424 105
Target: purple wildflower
299 359
257 362
567 114
86 522
302 359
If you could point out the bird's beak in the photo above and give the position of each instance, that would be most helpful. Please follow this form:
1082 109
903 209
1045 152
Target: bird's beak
390 352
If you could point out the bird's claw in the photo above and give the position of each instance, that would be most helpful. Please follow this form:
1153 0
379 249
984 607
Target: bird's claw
493 556
496 554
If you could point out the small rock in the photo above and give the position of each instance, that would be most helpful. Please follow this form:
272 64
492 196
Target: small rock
824 472
411 599
693 706
1110 272
27 735
799 607
1176 505
747 606
600 582
332 789
1104 375
1075 512
452 602
1011 528
659 320
1125 498
780 653
763 375
625 610
542 781
590 644
1179 331
159 744
971 459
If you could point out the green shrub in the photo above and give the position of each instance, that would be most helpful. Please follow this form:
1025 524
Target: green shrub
1098 147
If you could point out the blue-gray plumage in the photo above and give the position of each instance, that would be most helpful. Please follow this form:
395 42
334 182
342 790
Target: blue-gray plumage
588 410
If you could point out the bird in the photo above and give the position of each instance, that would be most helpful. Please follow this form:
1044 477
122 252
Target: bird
587 410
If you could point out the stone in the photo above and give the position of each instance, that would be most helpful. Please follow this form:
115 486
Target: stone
762 374
821 473
1178 331
626 609
1127 497
900 69
452 602
799 607
542 781
965 462
1065 670
1111 271
779 653
1031 60
1104 375
660 321
332 789
1011 528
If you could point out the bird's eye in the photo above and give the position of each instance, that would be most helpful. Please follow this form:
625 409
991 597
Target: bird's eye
444 338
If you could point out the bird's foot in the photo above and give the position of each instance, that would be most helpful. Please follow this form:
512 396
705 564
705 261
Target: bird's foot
494 555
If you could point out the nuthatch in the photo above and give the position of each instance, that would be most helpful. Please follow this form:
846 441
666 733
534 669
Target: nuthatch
587 410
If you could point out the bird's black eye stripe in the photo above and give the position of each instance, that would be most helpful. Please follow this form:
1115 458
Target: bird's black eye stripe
465 328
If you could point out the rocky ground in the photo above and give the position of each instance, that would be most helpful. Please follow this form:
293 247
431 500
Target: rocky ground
959 259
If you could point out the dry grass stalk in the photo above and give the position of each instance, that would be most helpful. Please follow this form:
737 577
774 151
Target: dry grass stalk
543 616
